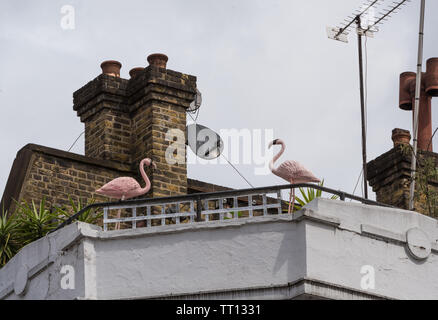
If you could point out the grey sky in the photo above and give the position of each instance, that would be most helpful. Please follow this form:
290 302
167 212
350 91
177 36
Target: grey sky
260 64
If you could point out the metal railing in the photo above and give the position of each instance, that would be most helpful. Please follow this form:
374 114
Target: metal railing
191 208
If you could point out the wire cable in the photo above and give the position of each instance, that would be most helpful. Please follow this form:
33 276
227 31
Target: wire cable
431 138
197 114
240 174
237 171
357 182
75 141
191 117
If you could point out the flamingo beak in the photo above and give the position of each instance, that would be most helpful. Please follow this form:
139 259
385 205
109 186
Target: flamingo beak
154 165
273 142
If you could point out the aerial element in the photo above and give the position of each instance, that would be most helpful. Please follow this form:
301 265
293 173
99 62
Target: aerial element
291 171
126 187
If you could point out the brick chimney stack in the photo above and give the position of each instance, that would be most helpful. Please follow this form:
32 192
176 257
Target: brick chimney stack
389 174
101 105
128 120
158 99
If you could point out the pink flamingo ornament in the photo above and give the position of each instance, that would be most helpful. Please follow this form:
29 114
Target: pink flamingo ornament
126 187
291 171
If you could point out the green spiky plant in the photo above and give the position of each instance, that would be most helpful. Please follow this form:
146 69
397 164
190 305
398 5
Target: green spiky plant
88 216
31 222
34 221
309 194
9 244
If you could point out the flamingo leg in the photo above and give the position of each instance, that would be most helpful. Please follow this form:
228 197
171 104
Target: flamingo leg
290 199
293 200
117 227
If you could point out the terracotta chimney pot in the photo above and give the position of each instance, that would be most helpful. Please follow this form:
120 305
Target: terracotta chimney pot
406 80
158 60
134 71
111 67
431 77
400 137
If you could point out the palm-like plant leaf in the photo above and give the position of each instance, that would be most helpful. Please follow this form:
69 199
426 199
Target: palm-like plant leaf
9 244
308 195
88 216
34 221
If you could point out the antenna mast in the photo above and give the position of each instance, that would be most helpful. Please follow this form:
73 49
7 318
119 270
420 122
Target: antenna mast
362 109
417 105
366 25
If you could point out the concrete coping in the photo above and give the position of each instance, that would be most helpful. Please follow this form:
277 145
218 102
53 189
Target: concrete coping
387 224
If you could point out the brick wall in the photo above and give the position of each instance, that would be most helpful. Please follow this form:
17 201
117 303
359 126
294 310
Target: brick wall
40 172
125 121
159 98
128 120
108 136
101 105
56 175
389 176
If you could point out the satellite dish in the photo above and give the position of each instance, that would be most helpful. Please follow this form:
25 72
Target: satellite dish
196 103
204 142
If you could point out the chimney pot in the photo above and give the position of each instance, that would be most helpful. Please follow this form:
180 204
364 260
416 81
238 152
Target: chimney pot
400 137
158 60
134 71
406 80
431 77
424 114
111 67
413 86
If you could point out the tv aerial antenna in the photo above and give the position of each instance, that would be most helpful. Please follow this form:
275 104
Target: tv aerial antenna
367 22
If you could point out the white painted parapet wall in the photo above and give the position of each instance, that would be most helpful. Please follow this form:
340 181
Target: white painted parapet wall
331 249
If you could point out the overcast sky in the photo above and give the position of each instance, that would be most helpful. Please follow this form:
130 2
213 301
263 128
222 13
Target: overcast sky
260 65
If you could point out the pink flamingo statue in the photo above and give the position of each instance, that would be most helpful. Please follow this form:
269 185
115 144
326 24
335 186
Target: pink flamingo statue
290 170
126 187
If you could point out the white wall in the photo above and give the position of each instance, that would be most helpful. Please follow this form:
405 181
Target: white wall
317 252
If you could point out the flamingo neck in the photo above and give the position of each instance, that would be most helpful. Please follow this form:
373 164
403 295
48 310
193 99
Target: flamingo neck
145 177
278 155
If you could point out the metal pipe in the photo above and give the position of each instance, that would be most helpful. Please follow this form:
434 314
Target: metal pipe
362 108
417 104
